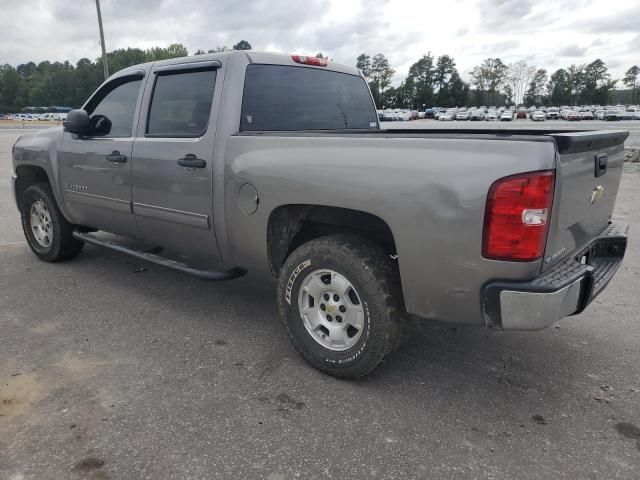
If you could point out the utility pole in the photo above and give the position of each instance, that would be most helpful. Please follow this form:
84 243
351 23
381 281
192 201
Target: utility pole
105 67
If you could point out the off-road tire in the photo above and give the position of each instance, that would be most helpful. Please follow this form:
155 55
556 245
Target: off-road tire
373 274
63 246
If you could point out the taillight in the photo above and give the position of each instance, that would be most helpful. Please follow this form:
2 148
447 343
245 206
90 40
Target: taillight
516 217
318 62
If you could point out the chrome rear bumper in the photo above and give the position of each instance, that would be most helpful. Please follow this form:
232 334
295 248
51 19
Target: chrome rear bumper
566 289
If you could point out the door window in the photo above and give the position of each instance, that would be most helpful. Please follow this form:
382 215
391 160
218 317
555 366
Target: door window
181 104
117 104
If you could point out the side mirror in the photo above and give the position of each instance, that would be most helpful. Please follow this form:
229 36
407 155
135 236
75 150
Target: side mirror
77 122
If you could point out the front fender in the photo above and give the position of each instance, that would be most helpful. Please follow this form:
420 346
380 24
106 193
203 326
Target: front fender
40 149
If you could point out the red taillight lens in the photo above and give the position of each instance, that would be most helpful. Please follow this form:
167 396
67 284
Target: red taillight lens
516 218
318 62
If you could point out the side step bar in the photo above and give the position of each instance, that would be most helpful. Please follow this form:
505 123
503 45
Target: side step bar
215 276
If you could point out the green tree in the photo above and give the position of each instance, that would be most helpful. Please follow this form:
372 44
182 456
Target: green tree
558 88
242 45
596 83
422 75
575 82
174 50
632 81
363 63
445 67
488 77
535 91
381 74
403 96
458 90
507 91
10 88
445 80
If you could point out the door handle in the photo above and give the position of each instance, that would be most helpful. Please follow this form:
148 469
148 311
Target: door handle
116 157
192 161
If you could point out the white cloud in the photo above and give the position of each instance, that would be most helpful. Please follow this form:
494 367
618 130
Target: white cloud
547 33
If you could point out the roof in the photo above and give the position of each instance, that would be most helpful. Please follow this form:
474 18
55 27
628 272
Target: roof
253 56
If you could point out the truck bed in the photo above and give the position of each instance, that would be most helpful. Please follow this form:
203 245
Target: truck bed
568 141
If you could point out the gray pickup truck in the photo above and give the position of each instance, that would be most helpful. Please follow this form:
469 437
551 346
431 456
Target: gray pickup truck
238 162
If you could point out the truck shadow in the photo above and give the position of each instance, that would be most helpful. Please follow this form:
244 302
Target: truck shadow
432 354
124 334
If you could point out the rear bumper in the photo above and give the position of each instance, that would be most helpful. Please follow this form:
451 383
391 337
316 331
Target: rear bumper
566 289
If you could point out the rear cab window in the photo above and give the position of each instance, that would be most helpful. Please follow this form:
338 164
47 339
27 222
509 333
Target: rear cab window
287 98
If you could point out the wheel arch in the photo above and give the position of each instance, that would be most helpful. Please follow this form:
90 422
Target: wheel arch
289 226
27 175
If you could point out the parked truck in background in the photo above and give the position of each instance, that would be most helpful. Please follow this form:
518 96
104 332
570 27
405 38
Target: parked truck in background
241 162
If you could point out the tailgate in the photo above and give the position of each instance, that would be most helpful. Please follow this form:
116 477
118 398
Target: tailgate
588 171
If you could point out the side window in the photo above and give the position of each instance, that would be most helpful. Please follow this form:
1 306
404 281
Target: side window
119 107
181 104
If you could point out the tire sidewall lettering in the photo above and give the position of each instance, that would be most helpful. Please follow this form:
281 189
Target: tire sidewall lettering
292 279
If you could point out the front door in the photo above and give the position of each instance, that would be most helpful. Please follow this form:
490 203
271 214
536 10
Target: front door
95 169
172 163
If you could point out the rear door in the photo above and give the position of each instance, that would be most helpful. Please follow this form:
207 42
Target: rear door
588 172
95 169
173 161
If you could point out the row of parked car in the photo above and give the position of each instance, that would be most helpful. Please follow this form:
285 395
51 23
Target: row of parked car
542 113
399 115
34 117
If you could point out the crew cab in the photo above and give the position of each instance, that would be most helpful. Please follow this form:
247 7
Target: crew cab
245 162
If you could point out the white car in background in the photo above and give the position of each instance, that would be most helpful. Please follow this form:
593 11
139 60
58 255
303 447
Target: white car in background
553 113
506 116
447 116
538 116
492 116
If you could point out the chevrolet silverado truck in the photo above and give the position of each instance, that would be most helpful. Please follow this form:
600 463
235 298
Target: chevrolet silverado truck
238 162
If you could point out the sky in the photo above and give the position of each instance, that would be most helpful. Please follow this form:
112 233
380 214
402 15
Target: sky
549 34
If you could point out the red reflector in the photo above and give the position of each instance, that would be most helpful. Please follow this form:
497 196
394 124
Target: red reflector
516 217
318 62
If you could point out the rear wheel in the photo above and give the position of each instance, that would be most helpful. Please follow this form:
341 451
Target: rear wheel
340 302
48 233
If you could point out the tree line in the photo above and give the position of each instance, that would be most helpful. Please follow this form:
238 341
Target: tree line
437 82
64 84
430 81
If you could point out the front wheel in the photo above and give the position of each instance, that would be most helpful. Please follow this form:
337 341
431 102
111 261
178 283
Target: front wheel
48 233
340 302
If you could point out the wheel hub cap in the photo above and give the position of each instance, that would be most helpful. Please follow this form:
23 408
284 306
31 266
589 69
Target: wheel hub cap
331 310
40 222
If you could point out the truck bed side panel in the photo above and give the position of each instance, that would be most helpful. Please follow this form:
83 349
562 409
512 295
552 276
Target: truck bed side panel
430 191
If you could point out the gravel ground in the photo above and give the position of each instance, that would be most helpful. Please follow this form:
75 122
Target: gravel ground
114 370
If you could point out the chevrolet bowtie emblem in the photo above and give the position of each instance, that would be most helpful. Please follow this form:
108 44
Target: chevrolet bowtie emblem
597 193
